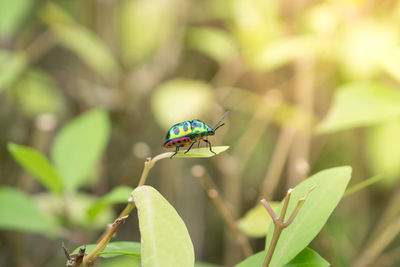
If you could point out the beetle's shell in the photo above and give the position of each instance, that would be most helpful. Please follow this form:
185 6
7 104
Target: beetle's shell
199 127
184 133
182 141
178 132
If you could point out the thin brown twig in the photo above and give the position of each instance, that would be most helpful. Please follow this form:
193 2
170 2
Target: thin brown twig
93 255
392 210
257 126
269 210
77 260
388 258
278 160
300 203
41 45
89 259
279 224
79 256
222 208
379 244
65 251
303 90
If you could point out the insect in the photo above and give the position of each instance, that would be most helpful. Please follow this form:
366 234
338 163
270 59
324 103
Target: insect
187 133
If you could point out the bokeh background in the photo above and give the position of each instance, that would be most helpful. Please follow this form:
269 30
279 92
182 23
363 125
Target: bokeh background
309 85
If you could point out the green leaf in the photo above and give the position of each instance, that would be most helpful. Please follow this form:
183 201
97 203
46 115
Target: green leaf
36 93
38 165
114 249
361 104
306 258
79 39
20 213
119 194
255 260
255 222
160 19
122 262
203 152
330 186
285 50
364 184
79 146
206 264
255 33
179 100
78 215
165 241
88 47
11 67
361 61
12 13
213 42
383 150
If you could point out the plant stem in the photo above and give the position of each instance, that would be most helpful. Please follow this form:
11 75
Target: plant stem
222 208
41 45
89 259
93 255
278 160
304 92
257 126
278 225
274 241
279 222
363 184
376 248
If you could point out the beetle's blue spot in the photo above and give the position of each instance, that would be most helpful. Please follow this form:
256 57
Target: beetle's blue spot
196 125
185 127
176 130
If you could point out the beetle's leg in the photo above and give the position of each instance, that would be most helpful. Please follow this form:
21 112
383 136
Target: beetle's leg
176 151
209 143
187 150
198 143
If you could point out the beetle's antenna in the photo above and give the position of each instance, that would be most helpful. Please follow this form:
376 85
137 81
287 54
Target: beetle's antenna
218 123
219 126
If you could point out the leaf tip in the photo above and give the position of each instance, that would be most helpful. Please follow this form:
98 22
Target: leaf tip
11 146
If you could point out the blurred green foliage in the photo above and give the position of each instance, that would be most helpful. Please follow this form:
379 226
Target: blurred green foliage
89 88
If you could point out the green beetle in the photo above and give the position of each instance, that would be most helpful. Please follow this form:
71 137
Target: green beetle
187 133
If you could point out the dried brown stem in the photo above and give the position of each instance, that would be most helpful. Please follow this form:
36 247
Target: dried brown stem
382 241
79 256
270 210
389 258
109 233
304 98
392 210
300 203
41 45
278 160
69 259
279 223
93 255
223 210
257 126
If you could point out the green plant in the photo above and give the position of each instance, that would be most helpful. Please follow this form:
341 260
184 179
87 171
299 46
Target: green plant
164 237
75 152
